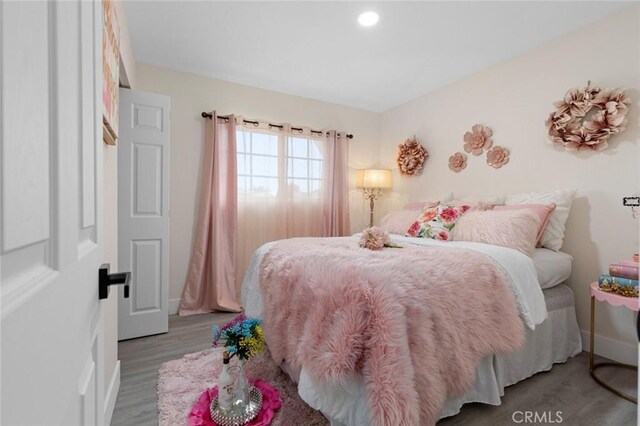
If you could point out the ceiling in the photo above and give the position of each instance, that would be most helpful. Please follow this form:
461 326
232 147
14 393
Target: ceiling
317 49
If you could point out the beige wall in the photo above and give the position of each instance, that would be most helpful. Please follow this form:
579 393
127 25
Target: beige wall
190 95
514 99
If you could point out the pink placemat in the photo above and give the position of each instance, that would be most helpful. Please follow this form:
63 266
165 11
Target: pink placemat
200 414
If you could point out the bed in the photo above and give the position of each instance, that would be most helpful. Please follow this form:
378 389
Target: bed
545 304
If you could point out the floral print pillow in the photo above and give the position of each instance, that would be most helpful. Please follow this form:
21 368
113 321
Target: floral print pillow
437 222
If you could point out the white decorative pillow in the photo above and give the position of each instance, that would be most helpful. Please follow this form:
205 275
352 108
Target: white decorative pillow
399 221
472 200
553 235
420 205
516 229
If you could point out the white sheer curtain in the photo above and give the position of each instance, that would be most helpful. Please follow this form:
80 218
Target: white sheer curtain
281 186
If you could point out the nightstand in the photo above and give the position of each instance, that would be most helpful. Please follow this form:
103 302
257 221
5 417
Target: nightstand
614 300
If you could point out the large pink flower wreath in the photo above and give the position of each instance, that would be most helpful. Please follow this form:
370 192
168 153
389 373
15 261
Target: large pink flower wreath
567 124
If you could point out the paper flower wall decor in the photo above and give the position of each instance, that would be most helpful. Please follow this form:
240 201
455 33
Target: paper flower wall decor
478 139
458 162
411 157
497 157
567 124
476 142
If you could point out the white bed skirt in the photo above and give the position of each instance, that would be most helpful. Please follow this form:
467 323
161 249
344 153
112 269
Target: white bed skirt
553 341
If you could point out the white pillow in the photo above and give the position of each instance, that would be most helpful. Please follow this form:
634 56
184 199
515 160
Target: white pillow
431 201
554 234
446 197
472 200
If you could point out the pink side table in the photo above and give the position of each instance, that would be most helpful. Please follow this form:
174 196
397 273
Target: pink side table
614 300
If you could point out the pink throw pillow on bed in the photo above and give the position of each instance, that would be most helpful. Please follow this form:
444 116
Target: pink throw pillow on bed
399 221
543 211
516 229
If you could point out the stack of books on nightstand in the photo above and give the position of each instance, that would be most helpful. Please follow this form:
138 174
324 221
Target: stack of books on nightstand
622 278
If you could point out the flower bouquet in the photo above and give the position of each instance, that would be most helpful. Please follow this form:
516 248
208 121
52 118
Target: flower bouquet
243 339
241 336
375 238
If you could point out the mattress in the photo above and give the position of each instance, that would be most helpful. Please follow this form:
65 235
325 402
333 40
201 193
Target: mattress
552 267
553 341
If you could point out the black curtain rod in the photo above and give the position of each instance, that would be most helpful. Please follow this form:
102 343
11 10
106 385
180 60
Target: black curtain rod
277 126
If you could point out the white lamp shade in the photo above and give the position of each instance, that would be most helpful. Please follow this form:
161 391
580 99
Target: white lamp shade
373 178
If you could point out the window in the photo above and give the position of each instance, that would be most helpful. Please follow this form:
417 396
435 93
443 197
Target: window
304 165
270 165
281 188
257 162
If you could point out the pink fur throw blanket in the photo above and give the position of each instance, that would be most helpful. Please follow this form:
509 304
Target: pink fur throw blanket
413 321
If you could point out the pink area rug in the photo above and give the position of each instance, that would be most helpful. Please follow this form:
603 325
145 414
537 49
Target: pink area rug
181 381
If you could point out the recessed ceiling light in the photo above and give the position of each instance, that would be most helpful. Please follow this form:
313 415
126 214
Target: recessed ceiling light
368 19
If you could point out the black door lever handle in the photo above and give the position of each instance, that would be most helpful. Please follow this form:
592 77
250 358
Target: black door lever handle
105 279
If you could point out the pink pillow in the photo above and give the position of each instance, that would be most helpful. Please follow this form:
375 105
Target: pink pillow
399 221
543 211
516 229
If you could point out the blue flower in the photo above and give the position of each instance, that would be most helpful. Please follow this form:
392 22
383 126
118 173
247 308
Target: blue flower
248 325
216 332
246 330
232 349
234 329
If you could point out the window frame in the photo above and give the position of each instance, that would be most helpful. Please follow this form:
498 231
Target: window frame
286 161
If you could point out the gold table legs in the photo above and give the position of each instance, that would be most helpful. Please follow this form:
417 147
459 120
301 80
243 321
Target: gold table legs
593 366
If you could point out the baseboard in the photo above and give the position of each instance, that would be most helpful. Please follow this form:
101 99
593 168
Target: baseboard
174 306
612 349
112 394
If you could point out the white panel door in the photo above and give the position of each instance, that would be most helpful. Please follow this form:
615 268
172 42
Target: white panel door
143 212
51 226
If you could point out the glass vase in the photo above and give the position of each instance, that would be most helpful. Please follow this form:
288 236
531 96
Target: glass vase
241 389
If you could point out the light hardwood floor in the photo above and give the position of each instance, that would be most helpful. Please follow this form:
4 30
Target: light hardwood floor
567 388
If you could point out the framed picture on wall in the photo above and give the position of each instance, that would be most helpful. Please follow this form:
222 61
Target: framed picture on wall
110 71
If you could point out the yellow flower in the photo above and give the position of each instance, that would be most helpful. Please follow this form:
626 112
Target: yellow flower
253 345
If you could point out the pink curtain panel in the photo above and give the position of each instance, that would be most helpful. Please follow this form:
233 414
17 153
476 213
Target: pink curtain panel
211 282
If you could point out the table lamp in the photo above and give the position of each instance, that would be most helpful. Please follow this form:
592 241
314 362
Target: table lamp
372 182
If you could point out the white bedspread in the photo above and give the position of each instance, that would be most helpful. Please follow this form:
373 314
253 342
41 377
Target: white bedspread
346 403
